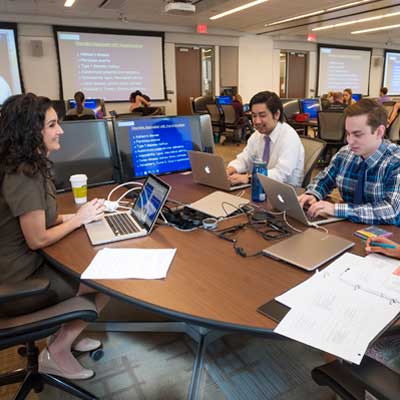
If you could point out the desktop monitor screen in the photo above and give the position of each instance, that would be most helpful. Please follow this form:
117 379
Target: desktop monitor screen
156 145
85 149
94 104
224 100
356 96
310 106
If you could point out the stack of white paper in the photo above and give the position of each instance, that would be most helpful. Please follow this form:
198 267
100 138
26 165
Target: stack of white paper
130 264
343 308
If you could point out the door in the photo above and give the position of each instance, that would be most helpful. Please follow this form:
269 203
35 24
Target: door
188 77
296 75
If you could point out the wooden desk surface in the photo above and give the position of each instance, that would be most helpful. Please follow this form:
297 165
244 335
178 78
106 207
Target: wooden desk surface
208 283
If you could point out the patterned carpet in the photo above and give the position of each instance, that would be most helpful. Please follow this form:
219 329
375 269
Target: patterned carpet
158 366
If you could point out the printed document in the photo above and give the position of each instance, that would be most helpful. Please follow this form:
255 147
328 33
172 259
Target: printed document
130 264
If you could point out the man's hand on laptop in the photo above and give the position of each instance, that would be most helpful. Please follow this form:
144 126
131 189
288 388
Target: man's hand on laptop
306 200
321 208
237 179
231 171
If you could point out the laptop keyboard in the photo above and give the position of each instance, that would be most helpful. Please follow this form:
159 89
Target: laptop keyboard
121 224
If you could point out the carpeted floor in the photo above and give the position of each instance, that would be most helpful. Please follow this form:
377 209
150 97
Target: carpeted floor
158 367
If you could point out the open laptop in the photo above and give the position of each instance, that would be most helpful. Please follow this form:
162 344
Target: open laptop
138 221
209 169
283 197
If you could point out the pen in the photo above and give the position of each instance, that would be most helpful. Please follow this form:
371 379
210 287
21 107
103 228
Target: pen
383 245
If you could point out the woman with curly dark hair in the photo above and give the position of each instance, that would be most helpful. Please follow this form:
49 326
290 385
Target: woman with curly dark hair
29 131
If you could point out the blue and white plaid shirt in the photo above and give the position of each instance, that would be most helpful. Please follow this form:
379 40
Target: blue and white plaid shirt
381 197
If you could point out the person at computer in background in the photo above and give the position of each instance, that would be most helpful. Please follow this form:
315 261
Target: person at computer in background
347 97
383 97
366 172
337 103
274 141
237 103
80 108
138 100
29 131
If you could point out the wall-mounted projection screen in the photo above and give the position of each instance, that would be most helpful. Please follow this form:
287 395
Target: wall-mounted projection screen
110 64
391 72
343 67
10 77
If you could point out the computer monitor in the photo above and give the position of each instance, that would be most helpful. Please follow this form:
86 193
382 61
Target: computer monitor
291 107
356 96
97 105
158 145
224 100
311 107
85 149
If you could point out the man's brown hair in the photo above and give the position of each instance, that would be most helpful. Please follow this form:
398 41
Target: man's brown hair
377 114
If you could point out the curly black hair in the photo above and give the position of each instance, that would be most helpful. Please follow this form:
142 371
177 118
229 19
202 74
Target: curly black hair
22 148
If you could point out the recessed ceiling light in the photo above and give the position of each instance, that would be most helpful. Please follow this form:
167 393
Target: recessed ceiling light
69 3
297 17
237 9
381 28
321 28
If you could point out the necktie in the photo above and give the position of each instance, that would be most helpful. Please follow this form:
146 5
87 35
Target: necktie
266 149
359 192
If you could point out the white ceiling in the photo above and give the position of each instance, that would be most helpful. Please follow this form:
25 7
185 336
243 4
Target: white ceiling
252 20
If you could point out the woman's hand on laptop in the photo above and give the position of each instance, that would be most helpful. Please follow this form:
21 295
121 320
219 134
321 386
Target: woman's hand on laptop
237 179
321 208
91 211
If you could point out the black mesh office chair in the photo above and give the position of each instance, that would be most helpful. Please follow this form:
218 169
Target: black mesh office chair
331 130
28 328
216 119
200 104
232 126
354 382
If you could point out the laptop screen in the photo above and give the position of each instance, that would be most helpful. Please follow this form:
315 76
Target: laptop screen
85 149
156 145
310 106
150 201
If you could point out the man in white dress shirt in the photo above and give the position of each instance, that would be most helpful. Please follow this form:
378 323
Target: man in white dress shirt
5 90
274 141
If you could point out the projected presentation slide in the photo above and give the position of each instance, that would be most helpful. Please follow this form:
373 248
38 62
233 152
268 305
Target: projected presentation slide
391 77
111 66
160 146
10 80
341 68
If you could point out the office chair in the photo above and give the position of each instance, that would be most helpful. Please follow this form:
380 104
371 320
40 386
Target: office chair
393 132
331 130
232 123
28 328
353 382
216 120
313 149
291 107
200 104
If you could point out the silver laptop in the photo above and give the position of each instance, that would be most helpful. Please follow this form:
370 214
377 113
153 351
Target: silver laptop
138 221
283 197
219 204
209 169
308 250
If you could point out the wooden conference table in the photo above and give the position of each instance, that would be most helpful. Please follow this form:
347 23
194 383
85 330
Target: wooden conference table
208 284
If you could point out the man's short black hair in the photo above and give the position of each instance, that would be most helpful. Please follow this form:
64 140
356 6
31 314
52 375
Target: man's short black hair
271 100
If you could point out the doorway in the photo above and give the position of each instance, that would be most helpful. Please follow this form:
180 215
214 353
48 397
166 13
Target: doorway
293 74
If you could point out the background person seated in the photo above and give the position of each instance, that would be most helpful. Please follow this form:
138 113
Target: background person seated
80 110
138 100
383 97
274 142
347 97
337 102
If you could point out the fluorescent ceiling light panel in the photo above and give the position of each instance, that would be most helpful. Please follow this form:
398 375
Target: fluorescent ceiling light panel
294 18
237 9
347 5
69 3
381 28
357 21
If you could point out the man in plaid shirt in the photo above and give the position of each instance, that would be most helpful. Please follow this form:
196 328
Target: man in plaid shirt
366 172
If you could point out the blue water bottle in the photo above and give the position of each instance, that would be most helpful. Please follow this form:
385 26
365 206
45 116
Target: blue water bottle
257 191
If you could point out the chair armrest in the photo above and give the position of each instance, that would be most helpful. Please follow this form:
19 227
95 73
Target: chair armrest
17 290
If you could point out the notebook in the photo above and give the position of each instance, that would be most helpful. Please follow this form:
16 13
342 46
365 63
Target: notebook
308 250
209 169
283 197
138 221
